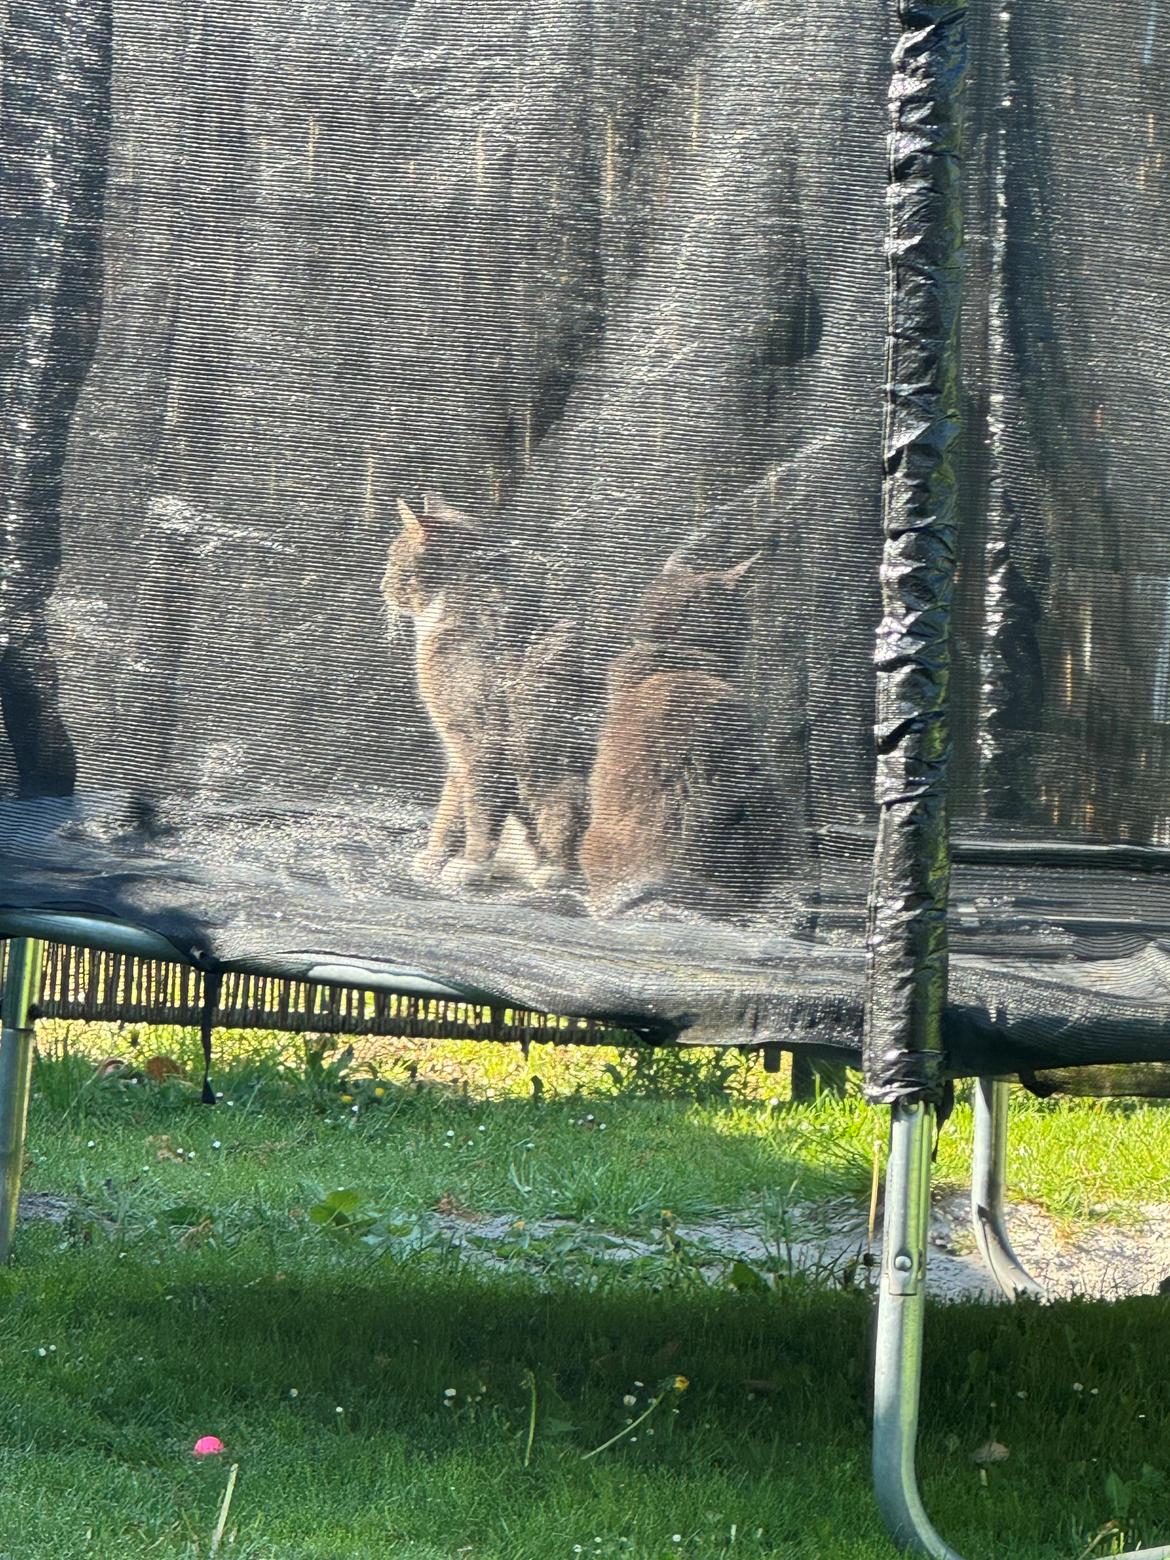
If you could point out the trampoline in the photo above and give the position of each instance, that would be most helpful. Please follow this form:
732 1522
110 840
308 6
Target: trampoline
456 463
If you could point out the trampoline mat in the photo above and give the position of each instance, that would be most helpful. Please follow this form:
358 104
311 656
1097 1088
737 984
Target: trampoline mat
1074 969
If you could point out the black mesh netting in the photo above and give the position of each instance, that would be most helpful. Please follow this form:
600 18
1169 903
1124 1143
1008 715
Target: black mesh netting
441 464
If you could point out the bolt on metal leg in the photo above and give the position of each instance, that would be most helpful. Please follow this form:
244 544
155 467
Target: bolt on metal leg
898 1353
21 985
988 1179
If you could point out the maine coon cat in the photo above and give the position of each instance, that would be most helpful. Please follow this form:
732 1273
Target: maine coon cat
682 804
501 688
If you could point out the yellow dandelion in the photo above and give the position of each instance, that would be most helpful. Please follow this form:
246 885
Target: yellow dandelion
681 1383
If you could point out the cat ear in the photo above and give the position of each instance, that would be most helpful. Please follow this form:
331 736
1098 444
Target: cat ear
435 507
410 521
732 577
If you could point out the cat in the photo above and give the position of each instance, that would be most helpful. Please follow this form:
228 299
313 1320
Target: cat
681 800
501 689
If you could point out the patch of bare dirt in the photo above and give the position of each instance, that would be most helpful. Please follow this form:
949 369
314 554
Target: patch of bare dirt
828 1240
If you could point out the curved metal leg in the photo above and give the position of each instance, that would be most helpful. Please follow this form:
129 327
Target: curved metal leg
21 984
898 1357
988 1178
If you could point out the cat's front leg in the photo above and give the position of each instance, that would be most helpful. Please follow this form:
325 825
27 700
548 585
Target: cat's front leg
446 834
559 817
486 802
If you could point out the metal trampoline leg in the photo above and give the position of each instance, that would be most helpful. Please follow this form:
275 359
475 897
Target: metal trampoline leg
988 1175
21 985
898 1353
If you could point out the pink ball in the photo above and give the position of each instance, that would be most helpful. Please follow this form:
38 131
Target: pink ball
208 1446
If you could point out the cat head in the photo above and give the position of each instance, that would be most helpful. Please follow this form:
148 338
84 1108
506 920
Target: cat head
431 552
699 609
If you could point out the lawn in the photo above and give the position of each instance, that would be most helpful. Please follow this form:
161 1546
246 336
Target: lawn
279 1272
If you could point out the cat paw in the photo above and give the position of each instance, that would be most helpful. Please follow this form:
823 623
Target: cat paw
461 873
427 867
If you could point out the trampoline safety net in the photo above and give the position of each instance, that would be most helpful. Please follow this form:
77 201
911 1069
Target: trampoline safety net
441 476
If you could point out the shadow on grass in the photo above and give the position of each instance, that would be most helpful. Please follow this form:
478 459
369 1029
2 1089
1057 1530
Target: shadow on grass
340 1369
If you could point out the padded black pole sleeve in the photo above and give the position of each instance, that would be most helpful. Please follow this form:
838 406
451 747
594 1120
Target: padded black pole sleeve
907 944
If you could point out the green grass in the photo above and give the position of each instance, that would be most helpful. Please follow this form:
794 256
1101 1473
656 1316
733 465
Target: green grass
190 1296
1080 1159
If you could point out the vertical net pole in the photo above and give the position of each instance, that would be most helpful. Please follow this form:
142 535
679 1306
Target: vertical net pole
907 941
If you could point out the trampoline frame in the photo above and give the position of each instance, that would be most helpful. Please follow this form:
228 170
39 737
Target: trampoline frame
988 1185
17 1015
